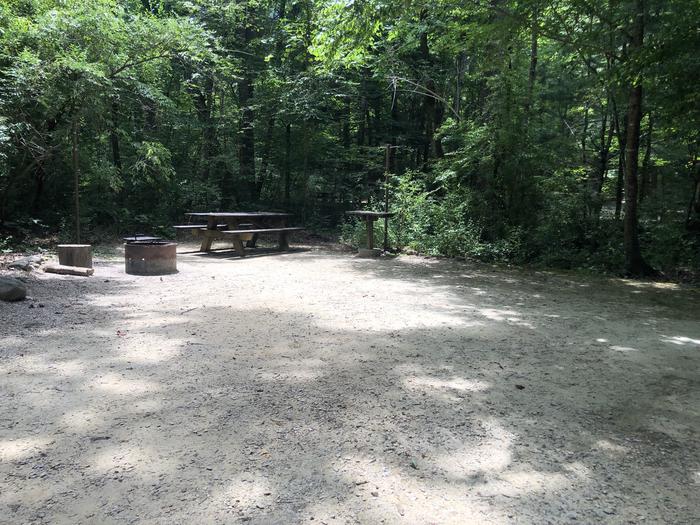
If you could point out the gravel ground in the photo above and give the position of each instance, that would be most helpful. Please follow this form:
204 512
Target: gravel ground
316 386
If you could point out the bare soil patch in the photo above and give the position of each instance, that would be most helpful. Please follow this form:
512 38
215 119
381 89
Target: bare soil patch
313 385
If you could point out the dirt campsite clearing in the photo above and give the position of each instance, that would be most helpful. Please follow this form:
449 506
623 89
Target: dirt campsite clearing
316 387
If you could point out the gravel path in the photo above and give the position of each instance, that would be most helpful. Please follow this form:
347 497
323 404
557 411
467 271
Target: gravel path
313 386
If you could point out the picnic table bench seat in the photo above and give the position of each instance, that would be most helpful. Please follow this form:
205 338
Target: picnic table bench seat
261 230
142 238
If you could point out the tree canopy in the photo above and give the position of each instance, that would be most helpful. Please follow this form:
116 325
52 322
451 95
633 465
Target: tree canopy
563 133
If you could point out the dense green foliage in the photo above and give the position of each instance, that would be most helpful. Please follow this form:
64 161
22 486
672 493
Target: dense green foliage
515 127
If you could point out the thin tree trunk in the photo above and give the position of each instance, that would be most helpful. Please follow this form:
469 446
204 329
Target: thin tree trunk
694 205
204 102
634 262
584 137
532 73
39 179
429 103
246 144
622 141
597 174
76 177
114 137
264 163
645 179
459 70
345 126
287 165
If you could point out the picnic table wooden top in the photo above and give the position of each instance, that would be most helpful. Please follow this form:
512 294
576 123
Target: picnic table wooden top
370 214
238 214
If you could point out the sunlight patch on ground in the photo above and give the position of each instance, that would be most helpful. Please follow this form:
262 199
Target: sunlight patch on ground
578 469
32 364
509 316
292 374
380 492
14 449
245 491
609 446
128 459
151 352
680 340
11 342
650 285
82 420
527 481
484 458
117 384
74 367
623 349
376 322
456 383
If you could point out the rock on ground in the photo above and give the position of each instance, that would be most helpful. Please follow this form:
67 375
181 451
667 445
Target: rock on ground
26 264
12 289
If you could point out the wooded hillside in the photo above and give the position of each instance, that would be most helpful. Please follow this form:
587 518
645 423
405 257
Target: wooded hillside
560 133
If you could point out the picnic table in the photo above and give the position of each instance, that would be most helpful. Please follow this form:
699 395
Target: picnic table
239 227
369 217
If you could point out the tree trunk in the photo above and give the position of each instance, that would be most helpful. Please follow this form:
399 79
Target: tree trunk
597 174
459 71
645 179
204 102
634 262
76 177
532 74
345 131
265 162
246 139
39 179
429 106
694 205
114 137
619 188
287 165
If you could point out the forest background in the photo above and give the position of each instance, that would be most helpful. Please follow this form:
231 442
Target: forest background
560 133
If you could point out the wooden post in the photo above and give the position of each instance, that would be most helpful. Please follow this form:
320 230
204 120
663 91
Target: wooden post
79 255
370 233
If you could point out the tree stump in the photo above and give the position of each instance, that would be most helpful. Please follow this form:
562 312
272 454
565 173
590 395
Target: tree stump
75 255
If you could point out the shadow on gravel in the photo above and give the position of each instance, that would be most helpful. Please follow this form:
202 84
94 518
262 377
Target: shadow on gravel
270 416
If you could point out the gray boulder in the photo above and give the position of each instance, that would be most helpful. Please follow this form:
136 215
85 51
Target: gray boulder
12 289
26 263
